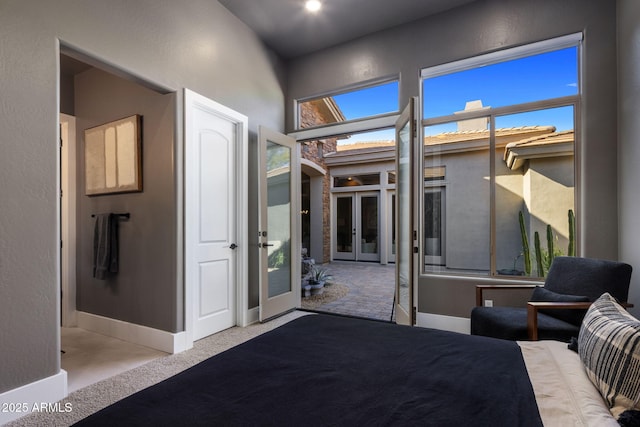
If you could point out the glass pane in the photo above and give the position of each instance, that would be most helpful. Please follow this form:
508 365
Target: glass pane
369 224
403 193
356 180
344 224
305 213
377 139
355 104
533 78
393 224
433 223
457 228
535 186
278 218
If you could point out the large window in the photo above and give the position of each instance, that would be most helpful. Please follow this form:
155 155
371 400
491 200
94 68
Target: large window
502 126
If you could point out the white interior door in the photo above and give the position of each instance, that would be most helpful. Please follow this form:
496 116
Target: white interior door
406 231
279 234
215 137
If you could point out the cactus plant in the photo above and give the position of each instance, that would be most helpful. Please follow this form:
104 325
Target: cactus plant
544 258
571 250
536 238
550 243
525 245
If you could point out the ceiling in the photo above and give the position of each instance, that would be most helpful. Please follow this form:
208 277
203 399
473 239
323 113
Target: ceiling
290 31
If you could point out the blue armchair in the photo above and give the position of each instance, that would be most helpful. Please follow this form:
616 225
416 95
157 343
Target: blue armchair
554 311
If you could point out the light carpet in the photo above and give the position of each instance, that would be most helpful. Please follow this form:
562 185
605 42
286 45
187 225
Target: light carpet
88 400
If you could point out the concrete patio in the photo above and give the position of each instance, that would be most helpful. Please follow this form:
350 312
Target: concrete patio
371 289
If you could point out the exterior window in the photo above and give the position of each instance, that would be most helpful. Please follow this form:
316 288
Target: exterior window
509 162
460 222
534 187
356 180
356 104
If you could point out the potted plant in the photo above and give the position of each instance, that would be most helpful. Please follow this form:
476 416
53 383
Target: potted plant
317 278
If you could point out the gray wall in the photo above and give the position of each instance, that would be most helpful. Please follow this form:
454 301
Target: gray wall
629 139
144 290
196 44
480 27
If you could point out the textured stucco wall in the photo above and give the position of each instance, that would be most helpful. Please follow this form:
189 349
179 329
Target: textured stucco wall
629 140
196 44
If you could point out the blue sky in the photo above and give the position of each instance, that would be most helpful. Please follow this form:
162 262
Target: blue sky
548 75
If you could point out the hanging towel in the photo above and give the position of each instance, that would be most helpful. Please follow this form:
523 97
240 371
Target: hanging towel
105 246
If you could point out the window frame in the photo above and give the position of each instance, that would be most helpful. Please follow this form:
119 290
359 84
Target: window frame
574 101
359 125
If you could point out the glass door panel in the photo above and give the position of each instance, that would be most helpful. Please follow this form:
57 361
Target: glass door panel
368 235
345 228
279 222
391 252
278 244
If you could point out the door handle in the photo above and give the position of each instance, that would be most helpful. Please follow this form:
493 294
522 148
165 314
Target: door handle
233 246
264 245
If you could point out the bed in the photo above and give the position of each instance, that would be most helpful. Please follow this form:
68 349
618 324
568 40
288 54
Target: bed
327 370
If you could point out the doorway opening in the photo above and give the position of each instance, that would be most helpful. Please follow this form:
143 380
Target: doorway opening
88 356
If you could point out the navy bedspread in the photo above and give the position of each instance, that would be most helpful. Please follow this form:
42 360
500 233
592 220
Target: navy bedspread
333 371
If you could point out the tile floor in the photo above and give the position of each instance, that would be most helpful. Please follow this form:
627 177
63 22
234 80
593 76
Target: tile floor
89 357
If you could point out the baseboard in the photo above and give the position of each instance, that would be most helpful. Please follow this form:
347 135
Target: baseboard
37 396
157 339
446 323
253 316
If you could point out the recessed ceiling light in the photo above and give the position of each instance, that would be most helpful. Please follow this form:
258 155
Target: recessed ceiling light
313 5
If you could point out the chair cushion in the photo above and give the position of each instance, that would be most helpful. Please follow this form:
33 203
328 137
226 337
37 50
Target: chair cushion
510 323
590 277
609 347
572 316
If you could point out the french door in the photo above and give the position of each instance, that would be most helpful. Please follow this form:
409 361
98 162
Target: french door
279 219
357 226
406 230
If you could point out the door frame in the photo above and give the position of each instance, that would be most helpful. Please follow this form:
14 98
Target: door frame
408 248
356 253
270 307
366 256
68 313
343 256
241 286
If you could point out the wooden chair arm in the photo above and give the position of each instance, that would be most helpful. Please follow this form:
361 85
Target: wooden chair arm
534 306
480 288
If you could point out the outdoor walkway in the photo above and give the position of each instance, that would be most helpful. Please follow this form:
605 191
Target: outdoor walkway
371 289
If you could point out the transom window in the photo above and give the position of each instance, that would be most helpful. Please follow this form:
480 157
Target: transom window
356 104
